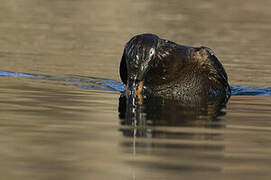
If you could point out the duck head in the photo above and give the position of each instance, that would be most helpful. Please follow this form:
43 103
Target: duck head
138 57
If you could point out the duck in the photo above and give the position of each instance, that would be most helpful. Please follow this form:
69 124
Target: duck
154 66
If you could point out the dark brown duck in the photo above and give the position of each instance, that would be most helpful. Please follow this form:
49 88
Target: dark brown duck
158 67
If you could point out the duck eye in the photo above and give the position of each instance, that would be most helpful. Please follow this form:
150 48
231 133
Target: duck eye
152 51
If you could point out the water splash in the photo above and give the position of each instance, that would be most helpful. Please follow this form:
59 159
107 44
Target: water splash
102 84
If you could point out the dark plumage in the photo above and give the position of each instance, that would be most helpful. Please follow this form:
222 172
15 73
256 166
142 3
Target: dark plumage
168 69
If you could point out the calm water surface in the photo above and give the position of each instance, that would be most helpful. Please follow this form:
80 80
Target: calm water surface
67 122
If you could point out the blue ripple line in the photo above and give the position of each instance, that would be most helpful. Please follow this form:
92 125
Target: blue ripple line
14 74
250 91
113 85
108 85
116 85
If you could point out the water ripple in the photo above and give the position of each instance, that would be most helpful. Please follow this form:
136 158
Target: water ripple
250 91
94 83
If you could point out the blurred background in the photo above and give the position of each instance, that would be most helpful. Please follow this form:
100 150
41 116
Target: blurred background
55 130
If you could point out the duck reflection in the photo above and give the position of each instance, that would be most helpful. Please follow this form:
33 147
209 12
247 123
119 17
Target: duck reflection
184 136
160 112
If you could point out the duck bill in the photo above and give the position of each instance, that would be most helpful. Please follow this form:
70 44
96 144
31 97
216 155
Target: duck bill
135 87
135 92
135 83
139 91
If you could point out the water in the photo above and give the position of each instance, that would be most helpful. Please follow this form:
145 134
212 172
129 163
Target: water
62 116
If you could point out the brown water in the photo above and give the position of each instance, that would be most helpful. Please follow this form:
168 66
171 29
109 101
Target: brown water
58 127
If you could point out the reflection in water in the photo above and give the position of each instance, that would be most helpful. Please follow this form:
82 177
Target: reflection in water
156 111
174 131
